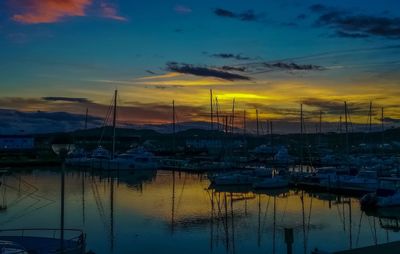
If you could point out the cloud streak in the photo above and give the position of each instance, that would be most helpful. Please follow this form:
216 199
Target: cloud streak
239 57
203 71
66 99
292 66
109 11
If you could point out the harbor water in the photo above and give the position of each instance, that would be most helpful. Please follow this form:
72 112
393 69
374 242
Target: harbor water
177 212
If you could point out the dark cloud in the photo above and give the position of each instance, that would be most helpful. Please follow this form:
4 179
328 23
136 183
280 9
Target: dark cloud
150 72
319 8
66 99
233 68
248 15
325 105
351 35
204 71
350 25
161 87
302 16
293 66
224 13
231 56
178 30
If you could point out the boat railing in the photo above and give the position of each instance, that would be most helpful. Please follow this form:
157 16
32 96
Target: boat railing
78 237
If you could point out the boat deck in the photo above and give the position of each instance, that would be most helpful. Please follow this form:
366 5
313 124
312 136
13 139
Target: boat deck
44 245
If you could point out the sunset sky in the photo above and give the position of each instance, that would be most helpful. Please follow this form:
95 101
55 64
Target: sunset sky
65 56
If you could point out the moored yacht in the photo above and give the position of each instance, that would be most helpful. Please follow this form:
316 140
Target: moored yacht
134 159
386 195
100 158
272 183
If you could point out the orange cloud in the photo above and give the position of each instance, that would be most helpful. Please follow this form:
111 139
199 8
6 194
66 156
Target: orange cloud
48 11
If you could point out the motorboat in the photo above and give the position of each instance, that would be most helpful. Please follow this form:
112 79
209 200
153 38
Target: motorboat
100 158
78 157
386 195
134 159
367 180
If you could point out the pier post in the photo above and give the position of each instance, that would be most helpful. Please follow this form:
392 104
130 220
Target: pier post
289 240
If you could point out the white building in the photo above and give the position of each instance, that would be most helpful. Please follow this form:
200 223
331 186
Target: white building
16 142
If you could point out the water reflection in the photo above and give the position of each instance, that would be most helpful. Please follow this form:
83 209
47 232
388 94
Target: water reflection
154 211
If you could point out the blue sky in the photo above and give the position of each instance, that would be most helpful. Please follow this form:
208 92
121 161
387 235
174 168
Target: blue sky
288 51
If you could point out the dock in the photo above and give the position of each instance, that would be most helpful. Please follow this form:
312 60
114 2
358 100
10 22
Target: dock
385 248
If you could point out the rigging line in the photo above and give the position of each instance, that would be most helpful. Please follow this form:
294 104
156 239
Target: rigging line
108 114
99 205
303 220
25 211
220 217
375 235
265 214
309 219
32 186
23 197
181 194
370 228
284 209
359 229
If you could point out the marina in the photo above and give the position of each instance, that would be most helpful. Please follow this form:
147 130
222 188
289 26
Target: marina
199 127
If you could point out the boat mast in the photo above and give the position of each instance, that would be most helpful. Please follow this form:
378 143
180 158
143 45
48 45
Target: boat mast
217 111
114 122
86 118
211 110
383 127
173 124
258 133
270 133
370 117
346 126
233 115
320 127
301 137
244 122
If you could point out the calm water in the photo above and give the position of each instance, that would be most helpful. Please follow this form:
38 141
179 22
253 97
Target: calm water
162 211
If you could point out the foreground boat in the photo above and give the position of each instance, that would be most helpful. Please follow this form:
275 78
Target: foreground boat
42 241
